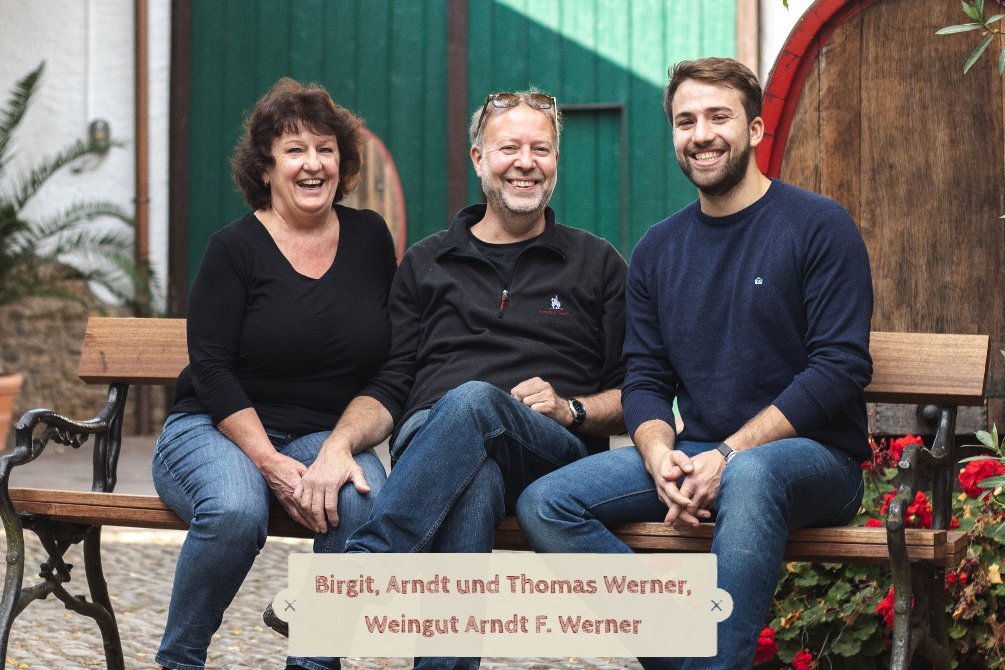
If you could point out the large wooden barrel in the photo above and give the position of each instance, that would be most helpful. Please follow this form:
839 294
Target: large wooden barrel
379 189
868 106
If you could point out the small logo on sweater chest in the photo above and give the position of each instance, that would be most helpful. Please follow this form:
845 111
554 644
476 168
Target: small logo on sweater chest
758 281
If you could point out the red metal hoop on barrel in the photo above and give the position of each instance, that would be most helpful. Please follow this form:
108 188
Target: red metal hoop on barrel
785 82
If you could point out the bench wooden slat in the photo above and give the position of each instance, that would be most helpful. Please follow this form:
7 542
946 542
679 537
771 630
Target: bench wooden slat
909 367
118 509
819 544
928 368
844 544
135 351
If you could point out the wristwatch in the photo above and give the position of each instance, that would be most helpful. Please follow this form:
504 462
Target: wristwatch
578 412
726 451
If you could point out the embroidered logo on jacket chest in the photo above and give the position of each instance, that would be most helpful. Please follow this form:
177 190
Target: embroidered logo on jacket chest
554 308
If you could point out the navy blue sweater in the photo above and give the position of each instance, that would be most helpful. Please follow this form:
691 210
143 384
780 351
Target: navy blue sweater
771 305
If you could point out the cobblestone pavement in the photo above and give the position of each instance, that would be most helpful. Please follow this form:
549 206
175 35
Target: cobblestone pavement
139 565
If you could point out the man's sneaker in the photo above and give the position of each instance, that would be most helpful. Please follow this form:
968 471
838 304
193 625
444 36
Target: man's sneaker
274 622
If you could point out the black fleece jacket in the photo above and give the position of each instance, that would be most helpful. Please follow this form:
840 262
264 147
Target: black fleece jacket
454 319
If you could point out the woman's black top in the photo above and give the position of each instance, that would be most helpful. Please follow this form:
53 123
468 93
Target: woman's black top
296 349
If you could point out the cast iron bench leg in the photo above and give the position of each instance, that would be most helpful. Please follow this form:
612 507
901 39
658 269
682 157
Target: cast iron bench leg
15 572
99 596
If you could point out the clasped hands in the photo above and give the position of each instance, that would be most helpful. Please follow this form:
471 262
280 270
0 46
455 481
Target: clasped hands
692 501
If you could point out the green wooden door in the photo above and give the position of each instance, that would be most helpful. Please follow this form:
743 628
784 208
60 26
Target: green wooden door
383 59
606 63
590 193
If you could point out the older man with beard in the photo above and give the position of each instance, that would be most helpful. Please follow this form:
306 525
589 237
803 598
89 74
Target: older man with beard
750 307
505 363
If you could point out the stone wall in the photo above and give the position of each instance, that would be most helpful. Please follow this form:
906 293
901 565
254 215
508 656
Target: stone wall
41 338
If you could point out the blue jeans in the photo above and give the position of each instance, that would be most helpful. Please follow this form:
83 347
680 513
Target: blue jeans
764 492
468 459
206 479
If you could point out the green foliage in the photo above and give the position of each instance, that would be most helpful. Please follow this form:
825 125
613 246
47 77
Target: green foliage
975 10
45 257
832 612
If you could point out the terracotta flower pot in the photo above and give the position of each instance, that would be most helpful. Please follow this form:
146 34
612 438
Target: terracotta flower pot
9 387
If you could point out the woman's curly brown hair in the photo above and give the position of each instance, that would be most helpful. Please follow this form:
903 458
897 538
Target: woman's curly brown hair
290 107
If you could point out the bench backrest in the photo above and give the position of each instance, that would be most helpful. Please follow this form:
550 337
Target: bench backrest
134 351
907 367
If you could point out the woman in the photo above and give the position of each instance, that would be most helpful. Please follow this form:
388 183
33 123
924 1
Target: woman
287 319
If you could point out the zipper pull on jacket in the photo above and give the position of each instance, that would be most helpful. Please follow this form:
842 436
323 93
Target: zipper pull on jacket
502 302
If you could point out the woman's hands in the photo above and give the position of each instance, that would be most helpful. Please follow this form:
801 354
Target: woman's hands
317 492
283 475
310 494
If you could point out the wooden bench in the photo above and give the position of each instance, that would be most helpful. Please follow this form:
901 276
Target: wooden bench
917 368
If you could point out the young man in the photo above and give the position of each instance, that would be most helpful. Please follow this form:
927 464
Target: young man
751 307
505 363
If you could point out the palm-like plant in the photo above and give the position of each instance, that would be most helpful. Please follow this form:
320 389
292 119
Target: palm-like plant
45 257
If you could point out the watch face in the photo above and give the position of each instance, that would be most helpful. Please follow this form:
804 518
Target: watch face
578 411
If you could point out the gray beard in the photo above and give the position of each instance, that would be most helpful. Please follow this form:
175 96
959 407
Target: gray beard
497 196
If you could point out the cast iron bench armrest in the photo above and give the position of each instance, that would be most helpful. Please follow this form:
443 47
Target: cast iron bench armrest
33 431
920 468
38 427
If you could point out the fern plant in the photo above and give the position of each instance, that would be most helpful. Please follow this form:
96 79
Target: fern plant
48 256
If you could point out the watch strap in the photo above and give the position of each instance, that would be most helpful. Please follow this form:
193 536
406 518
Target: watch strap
726 451
578 412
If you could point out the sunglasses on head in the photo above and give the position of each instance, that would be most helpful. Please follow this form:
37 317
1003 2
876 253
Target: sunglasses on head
505 100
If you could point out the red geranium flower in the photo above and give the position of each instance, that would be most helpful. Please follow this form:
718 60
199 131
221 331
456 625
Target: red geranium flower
897 445
883 455
885 608
887 499
766 646
873 523
919 513
802 661
976 472
873 460
957 577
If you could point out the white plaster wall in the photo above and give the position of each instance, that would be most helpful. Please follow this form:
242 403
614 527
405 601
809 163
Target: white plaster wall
776 23
158 99
88 49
